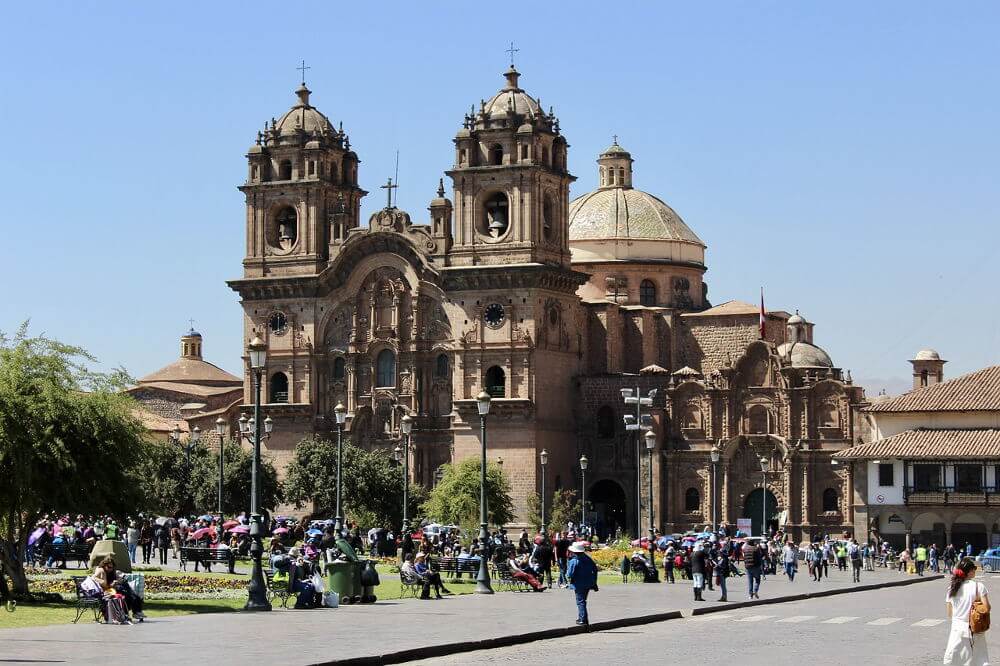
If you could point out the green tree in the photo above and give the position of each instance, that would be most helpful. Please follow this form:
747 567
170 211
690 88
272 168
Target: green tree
561 508
372 483
455 499
69 441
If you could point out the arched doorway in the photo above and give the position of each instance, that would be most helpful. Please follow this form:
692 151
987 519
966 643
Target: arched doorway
969 528
754 509
606 508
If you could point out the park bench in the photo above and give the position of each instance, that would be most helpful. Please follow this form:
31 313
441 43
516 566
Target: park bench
281 592
207 556
78 552
83 602
455 567
501 571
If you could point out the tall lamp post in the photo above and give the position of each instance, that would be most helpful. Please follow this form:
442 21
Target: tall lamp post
765 465
192 441
220 430
716 454
543 457
340 412
257 589
406 426
483 579
638 422
583 490
650 438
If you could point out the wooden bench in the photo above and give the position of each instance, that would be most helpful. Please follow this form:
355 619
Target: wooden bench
64 552
207 556
84 602
281 593
501 571
455 567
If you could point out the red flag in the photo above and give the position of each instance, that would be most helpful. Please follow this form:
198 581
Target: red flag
763 325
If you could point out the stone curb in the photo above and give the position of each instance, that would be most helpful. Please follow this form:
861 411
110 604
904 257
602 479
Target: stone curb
812 595
430 651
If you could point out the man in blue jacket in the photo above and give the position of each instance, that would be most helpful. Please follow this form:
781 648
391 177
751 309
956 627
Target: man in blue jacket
582 575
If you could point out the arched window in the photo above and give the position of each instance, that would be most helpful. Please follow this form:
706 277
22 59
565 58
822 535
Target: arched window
692 500
386 368
605 422
647 293
621 176
279 387
923 378
286 223
441 370
496 154
339 367
496 381
830 500
545 155
548 214
285 170
603 178
759 420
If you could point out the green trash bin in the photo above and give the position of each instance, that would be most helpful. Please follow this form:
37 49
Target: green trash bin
340 579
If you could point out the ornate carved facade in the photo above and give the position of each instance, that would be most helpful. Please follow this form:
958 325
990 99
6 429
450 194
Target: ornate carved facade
551 306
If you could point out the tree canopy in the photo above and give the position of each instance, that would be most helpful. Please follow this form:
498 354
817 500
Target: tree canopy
69 440
562 507
372 483
455 499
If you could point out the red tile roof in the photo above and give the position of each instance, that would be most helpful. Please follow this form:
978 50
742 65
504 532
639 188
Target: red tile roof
975 443
976 391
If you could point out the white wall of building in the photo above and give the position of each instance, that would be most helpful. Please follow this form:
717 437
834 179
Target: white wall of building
882 495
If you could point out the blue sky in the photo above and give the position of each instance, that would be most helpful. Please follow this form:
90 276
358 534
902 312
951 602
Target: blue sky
842 155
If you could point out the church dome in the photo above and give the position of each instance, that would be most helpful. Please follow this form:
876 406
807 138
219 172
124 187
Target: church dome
927 355
511 99
303 116
622 213
805 355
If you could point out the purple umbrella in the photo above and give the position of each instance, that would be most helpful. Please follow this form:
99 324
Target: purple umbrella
240 529
281 530
35 535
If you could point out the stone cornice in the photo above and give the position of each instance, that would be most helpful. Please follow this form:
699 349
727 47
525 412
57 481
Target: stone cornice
512 276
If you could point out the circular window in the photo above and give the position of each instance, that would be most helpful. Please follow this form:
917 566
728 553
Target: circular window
278 323
494 315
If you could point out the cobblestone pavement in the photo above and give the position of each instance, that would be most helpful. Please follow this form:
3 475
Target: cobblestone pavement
903 625
293 637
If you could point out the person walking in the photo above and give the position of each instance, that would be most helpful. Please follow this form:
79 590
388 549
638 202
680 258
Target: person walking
790 560
582 576
932 555
816 557
132 539
854 554
965 648
827 552
722 571
698 570
920 558
753 561
668 562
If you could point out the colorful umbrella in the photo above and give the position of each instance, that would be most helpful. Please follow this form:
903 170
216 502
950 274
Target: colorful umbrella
199 534
240 529
312 532
281 530
229 524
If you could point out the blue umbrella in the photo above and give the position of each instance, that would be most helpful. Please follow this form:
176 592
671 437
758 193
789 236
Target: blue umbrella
314 532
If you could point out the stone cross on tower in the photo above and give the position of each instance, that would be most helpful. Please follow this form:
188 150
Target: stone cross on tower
388 187
302 68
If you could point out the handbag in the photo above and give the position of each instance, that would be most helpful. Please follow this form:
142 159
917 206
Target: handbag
979 617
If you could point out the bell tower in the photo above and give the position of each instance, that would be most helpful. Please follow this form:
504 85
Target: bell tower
510 182
302 193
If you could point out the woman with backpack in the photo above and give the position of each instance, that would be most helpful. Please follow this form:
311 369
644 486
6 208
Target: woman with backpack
968 607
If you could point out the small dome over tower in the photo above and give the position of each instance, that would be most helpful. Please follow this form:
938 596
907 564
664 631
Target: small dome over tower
615 168
302 116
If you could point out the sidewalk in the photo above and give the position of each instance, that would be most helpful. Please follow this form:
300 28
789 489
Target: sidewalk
391 631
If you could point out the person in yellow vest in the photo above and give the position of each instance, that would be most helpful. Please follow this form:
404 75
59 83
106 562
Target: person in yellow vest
841 552
920 558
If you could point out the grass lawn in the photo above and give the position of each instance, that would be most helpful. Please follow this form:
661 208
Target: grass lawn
48 614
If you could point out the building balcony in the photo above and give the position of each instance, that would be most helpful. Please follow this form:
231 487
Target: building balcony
985 496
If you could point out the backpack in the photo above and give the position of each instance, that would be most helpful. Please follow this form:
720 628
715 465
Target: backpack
116 613
979 617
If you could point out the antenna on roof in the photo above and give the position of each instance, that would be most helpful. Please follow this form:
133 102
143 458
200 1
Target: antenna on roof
397 177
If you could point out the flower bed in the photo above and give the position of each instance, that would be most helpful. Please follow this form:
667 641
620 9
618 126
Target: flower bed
155 585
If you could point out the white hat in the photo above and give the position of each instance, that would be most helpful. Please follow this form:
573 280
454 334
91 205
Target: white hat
577 547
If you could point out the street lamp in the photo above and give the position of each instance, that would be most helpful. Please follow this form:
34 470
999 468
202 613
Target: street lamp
583 490
406 426
483 579
638 422
765 465
650 437
220 430
543 457
716 454
340 412
257 589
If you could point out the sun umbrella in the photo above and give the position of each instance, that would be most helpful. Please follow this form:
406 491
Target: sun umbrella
35 535
230 524
206 517
199 534
281 530
312 532
240 529
162 520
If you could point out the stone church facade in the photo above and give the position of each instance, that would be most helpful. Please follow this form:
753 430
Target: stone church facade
550 305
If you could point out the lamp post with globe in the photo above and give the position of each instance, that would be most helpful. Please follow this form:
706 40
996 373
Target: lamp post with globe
483 579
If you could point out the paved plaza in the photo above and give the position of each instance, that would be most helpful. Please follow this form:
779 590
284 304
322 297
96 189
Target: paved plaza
390 629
